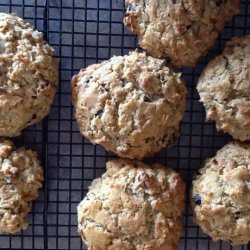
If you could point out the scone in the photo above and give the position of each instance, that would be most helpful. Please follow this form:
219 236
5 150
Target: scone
224 89
221 195
28 75
179 30
133 206
21 176
131 105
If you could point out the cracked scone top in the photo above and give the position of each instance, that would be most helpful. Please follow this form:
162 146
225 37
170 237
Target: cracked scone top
178 29
133 206
20 178
224 89
28 75
221 195
131 105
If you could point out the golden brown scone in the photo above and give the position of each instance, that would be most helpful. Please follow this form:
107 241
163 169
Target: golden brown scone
220 195
28 75
179 30
131 105
224 89
133 206
21 176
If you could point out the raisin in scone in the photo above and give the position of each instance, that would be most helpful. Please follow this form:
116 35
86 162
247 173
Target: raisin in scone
28 75
179 30
131 105
221 195
133 206
21 176
224 89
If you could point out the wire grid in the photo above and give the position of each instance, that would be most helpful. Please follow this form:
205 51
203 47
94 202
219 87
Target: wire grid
85 32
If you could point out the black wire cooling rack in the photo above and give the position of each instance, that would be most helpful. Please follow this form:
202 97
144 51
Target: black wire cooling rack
85 32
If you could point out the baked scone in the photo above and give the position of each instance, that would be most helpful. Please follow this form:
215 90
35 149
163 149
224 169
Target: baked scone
131 105
21 176
220 195
224 89
133 206
28 75
179 30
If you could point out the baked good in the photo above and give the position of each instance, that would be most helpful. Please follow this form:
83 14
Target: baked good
179 30
224 89
21 176
131 105
220 195
28 75
133 206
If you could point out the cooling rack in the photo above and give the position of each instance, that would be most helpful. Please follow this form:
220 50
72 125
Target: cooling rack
85 32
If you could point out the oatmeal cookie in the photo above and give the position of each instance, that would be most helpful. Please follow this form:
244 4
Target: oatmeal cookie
131 105
221 195
28 75
224 89
179 30
21 176
133 206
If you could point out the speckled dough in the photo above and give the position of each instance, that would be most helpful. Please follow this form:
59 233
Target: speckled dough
224 89
131 105
221 195
133 206
181 30
20 178
28 75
